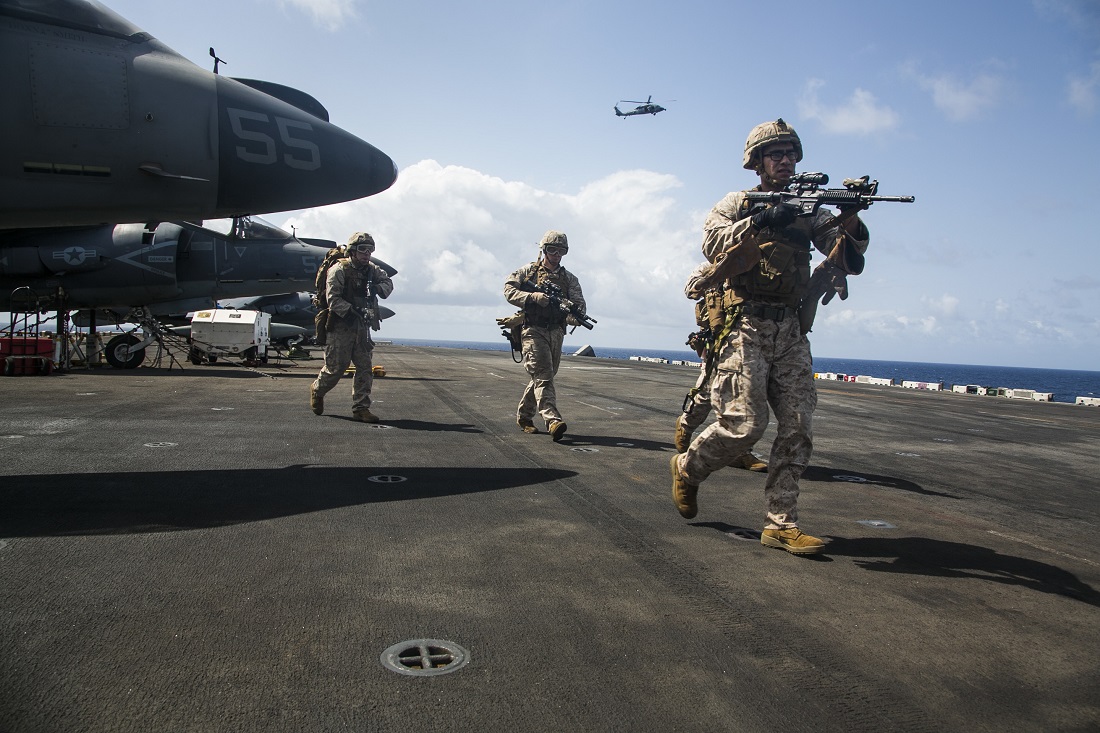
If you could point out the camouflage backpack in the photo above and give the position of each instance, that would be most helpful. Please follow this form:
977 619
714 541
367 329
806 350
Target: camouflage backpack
320 296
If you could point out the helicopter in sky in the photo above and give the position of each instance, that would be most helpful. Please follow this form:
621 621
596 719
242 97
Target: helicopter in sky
644 108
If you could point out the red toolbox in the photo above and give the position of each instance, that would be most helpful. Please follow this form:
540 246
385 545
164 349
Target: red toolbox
29 355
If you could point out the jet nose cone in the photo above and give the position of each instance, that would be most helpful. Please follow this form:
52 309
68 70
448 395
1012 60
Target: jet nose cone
273 156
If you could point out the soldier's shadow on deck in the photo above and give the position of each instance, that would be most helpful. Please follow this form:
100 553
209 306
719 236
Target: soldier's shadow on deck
433 427
421 425
841 475
611 441
942 559
939 559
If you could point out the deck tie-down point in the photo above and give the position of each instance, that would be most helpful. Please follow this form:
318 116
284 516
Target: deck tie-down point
424 657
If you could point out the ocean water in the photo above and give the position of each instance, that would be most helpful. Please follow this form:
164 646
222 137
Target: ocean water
1065 384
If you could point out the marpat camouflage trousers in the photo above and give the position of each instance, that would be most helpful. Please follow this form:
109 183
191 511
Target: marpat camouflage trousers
541 357
762 363
698 407
348 346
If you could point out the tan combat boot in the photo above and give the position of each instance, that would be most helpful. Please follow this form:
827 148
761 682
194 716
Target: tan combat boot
683 436
792 540
316 401
683 493
526 425
750 462
557 430
365 415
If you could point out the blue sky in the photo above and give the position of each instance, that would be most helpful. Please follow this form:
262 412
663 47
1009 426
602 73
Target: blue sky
499 116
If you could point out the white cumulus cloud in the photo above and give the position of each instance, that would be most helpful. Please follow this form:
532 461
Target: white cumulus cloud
962 100
860 114
945 305
1084 91
455 234
328 14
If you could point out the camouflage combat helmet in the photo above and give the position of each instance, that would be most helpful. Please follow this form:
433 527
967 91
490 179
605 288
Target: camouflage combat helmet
361 238
765 134
555 239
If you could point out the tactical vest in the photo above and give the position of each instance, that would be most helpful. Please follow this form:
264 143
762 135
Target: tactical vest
783 272
547 317
356 282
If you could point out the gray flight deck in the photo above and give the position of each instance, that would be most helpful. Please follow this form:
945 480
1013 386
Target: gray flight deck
191 549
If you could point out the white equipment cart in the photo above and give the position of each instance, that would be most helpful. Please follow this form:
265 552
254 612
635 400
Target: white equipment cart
241 334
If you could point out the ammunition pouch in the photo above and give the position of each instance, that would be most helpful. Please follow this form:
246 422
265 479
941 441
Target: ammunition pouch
688 399
701 318
715 304
733 261
320 327
776 258
762 284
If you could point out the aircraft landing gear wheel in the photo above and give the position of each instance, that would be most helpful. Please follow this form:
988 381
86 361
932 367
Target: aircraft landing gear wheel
121 354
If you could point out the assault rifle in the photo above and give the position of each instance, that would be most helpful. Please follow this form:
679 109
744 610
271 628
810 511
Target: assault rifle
370 315
700 340
559 302
805 191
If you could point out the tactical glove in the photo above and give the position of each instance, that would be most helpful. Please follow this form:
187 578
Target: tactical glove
775 217
540 299
827 282
838 286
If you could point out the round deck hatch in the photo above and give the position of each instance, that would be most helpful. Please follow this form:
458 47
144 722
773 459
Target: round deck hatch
425 657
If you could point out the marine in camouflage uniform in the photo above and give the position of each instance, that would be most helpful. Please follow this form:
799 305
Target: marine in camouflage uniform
543 330
762 354
351 287
697 405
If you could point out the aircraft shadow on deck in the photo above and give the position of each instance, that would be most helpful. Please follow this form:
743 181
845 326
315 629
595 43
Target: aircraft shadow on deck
423 425
239 371
264 371
170 501
311 375
392 378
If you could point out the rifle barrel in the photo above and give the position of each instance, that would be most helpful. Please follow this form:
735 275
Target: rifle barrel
898 199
